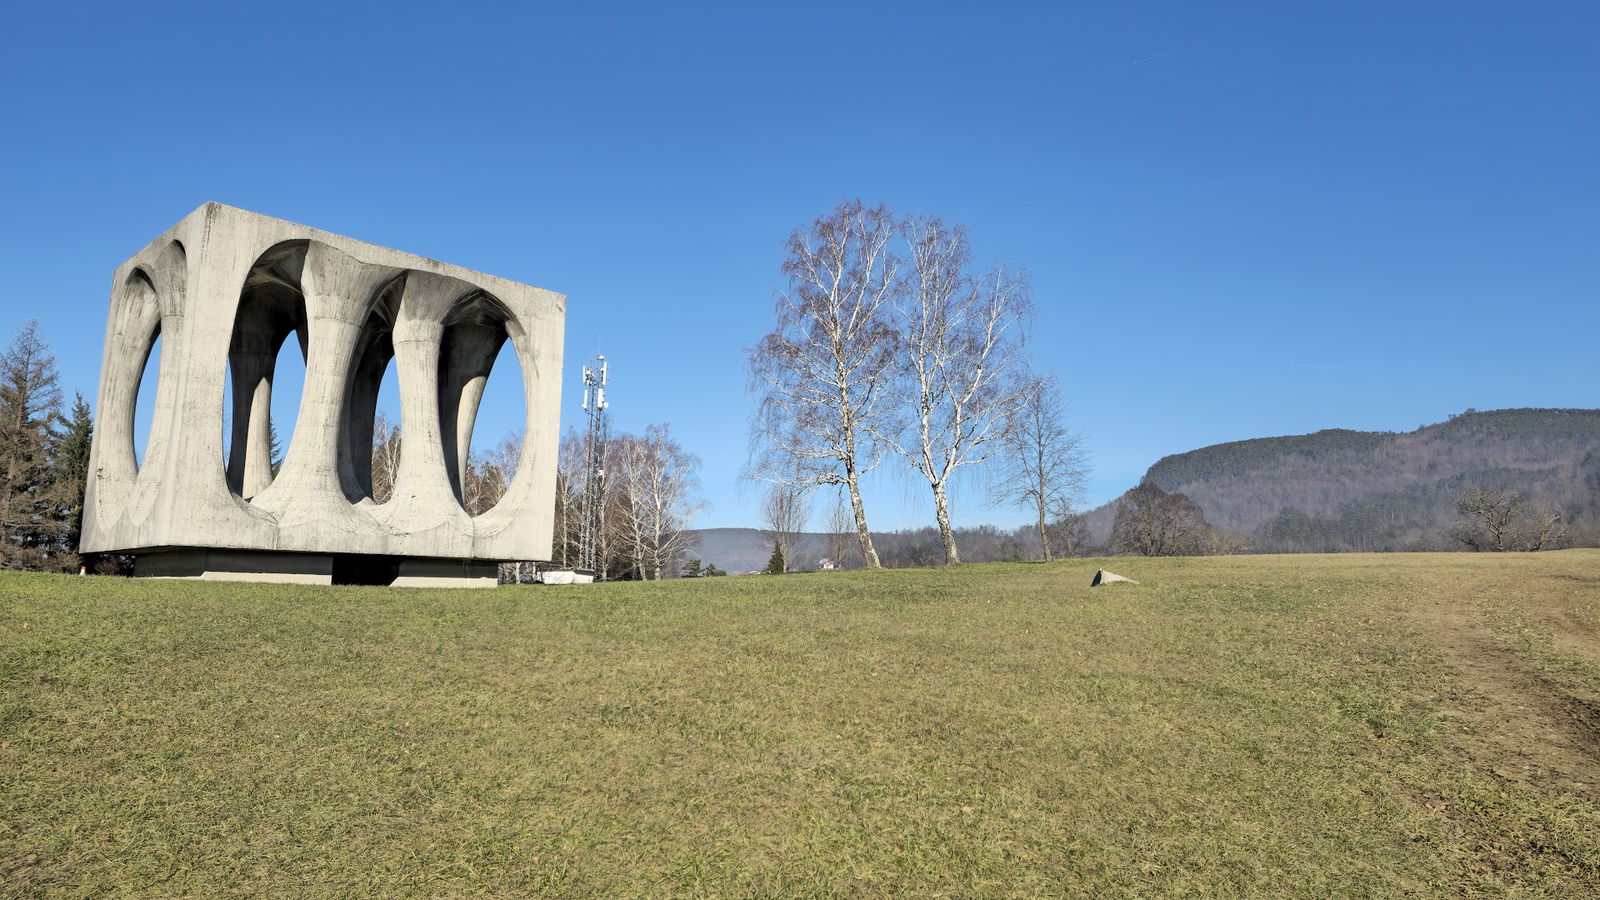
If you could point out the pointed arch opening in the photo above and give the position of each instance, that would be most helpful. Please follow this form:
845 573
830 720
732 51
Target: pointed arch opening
476 338
130 417
144 404
369 433
272 309
494 451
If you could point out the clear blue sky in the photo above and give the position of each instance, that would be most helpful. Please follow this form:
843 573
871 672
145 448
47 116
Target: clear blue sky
1241 219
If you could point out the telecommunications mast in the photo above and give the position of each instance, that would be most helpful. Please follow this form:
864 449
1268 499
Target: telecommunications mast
594 469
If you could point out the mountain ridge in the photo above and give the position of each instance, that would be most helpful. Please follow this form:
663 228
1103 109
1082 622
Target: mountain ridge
1343 489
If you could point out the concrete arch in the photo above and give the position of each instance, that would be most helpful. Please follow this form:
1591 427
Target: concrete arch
474 331
373 351
136 332
271 306
535 470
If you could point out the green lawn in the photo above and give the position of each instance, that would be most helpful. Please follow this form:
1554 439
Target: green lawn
1356 725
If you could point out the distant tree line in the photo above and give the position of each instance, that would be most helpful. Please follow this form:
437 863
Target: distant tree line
891 342
648 498
924 546
692 568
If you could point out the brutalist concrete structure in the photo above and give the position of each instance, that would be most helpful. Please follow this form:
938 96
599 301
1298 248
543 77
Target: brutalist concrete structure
223 289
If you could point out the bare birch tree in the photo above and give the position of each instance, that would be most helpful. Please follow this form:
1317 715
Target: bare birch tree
961 360
569 499
505 457
496 469
656 480
785 510
824 372
385 457
1044 463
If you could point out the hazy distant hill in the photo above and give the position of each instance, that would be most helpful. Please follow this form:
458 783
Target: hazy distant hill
1361 490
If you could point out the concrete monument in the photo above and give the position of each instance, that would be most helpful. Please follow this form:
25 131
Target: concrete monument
223 289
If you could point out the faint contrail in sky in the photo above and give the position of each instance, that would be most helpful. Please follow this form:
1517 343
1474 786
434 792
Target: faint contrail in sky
1148 58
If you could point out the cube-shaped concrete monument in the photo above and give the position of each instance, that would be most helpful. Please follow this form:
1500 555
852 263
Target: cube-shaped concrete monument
223 289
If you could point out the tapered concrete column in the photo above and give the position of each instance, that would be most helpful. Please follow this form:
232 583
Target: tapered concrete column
309 474
468 354
250 444
423 499
338 291
374 350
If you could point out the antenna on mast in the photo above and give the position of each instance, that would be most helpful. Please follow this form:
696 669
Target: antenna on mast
594 486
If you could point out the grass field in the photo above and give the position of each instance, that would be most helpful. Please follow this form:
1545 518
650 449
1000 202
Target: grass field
1356 725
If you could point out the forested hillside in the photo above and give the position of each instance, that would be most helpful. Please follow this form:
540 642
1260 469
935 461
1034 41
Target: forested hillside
1341 490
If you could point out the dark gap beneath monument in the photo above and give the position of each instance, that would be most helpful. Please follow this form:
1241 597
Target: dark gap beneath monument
365 568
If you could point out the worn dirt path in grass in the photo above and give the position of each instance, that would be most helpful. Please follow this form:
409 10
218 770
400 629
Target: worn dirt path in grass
1519 718
1554 601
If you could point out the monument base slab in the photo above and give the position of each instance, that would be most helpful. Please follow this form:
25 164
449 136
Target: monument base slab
208 564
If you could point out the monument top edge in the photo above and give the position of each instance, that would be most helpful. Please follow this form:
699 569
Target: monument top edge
283 229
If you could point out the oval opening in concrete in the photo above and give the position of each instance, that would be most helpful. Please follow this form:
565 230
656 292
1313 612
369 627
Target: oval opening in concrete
266 361
495 446
369 434
385 438
288 386
474 334
144 404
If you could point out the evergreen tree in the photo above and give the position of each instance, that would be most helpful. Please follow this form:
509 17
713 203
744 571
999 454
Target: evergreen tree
74 464
775 563
33 514
275 450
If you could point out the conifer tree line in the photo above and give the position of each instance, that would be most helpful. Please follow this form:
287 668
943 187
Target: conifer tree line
892 343
44 460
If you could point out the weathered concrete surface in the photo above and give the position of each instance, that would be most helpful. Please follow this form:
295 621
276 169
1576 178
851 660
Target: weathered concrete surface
224 288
